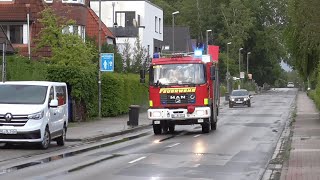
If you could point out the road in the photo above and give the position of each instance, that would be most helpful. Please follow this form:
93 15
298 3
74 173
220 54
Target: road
239 149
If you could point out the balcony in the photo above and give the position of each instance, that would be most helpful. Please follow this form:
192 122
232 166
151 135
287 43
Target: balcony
129 31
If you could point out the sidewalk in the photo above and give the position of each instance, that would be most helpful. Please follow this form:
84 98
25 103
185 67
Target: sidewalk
109 127
304 159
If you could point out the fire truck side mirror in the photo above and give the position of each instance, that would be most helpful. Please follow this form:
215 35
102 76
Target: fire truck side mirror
142 76
212 73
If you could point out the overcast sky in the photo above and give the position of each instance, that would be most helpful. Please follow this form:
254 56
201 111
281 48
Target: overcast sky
285 66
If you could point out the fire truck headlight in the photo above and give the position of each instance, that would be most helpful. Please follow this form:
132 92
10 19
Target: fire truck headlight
150 103
200 112
156 114
205 101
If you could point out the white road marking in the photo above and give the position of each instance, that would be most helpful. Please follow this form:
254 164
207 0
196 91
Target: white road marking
196 165
176 144
137 160
197 135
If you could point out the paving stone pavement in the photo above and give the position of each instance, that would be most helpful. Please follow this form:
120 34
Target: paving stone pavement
304 159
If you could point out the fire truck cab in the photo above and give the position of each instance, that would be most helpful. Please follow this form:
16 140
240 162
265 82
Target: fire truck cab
183 90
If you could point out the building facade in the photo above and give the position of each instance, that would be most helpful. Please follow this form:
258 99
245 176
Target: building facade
129 20
20 21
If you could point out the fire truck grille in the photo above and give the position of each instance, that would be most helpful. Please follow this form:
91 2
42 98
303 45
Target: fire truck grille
189 98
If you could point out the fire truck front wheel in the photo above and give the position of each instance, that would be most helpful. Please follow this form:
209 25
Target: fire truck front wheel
157 129
205 127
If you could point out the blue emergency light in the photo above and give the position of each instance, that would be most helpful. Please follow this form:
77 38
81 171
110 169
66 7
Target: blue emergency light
198 52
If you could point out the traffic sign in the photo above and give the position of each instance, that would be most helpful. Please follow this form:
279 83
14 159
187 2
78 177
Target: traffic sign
241 75
107 62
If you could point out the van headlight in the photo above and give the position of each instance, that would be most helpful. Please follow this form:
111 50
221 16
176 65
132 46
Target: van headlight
36 116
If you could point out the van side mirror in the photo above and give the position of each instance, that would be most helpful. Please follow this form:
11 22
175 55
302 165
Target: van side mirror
142 76
53 103
212 73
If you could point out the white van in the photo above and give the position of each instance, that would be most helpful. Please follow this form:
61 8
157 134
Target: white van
33 112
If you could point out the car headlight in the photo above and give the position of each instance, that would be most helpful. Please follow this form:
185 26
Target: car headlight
245 99
36 116
232 99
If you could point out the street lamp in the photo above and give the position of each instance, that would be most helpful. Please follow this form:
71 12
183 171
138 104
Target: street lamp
228 74
239 59
207 41
174 13
248 62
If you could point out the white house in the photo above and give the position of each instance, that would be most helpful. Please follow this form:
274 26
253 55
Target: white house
131 19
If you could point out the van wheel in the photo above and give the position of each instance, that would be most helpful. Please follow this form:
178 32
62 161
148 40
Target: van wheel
61 140
46 139
157 129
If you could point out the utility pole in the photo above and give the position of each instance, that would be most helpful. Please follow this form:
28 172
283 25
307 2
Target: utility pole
99 42
228 73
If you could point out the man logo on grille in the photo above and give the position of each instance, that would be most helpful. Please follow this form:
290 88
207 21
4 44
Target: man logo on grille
8 117
178 99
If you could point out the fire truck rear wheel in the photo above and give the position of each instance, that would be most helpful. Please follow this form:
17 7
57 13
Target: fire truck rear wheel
157 129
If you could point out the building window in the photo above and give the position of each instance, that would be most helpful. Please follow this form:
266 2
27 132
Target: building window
48 1
15 33
125 18
74 1
156 24
160 25
76 30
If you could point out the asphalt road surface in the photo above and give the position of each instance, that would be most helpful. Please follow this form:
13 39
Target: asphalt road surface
240 148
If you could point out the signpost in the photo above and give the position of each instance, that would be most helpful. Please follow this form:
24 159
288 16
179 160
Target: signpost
107 62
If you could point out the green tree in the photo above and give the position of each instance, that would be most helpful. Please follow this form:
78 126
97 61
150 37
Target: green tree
139 56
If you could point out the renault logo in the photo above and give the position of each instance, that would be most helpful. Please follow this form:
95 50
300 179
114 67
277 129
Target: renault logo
8 117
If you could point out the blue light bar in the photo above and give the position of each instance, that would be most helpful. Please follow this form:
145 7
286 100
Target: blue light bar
198 52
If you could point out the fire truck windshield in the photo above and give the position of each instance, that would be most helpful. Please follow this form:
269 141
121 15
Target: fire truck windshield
179 74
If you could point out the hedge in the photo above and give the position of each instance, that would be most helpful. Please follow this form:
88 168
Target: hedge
119 91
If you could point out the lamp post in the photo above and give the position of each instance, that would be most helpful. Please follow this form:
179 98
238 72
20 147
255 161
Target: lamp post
207 39
239 66
248 62
240 59
174 13
228 74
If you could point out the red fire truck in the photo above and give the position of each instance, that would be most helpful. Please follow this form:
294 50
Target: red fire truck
183 90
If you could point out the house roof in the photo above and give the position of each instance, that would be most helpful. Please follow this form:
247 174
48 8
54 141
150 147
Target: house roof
93 24
13 12
4 39
182 39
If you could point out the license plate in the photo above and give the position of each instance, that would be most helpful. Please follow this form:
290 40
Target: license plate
239 102
178 115
8 131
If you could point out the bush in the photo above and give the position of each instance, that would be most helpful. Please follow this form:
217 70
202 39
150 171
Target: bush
223 90
22 69
119 91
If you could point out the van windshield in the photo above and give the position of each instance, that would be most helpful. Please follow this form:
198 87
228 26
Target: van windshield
22 94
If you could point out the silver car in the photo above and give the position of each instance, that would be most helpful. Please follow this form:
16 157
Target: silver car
239 97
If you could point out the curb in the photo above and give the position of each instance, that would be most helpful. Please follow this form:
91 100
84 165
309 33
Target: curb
102 136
